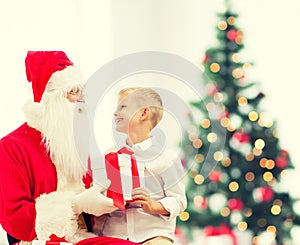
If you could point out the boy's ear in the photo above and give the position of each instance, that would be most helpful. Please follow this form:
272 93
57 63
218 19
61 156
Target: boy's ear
145 113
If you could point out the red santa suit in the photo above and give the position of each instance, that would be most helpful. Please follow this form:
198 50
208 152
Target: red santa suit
23 154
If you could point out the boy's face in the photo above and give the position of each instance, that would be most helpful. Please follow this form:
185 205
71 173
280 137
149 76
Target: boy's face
126 116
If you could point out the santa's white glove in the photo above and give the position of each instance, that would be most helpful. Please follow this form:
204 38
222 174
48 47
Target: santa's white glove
92 201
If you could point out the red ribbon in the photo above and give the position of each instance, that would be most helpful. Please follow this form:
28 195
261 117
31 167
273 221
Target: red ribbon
218 231
88 178
113 173
54 238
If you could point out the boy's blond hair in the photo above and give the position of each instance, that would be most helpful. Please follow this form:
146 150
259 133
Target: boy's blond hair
147 97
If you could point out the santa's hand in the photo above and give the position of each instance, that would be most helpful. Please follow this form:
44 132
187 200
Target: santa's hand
91 201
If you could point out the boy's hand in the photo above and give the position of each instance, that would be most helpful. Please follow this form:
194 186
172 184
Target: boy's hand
142 197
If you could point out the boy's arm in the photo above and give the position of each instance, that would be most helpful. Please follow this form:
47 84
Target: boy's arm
175 201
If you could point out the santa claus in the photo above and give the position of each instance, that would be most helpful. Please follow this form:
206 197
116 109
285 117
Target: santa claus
42 190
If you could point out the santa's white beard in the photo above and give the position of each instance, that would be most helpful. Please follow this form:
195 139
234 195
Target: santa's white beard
56 125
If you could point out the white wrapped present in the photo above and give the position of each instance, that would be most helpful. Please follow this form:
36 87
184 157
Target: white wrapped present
122 170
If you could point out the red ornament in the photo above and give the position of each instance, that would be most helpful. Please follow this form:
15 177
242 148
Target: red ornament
211 89
205 59
235 204
263 194
224 114
241 137
215 176
281 162
232 34
183 162
284 153
180 236
200 202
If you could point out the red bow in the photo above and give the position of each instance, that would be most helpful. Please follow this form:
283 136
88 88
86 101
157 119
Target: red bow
54 238
113 173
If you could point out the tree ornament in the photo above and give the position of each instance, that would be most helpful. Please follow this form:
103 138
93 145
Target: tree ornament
232 34
224 114
241 137
211 89
235 204
281 162
201 202
263 194
215 176
284 153
205 59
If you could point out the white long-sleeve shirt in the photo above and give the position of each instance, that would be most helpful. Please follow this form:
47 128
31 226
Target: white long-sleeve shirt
162 175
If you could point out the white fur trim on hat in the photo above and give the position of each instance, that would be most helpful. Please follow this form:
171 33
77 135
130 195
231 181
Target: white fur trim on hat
66 79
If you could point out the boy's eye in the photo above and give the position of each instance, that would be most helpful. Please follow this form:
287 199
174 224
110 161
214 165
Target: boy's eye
122 106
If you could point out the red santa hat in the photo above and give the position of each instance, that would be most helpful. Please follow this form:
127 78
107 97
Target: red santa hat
48 71
45 66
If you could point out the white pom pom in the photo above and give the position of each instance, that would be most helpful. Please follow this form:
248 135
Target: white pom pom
33 112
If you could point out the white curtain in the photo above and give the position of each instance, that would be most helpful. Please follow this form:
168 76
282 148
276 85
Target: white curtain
80 28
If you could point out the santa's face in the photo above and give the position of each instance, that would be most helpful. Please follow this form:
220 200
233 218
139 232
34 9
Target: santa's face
74 95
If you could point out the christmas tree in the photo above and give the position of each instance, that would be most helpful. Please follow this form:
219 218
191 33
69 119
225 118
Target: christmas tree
233 153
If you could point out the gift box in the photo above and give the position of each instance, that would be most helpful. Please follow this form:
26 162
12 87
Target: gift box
39 242
219 235
122 171
53 240
225 235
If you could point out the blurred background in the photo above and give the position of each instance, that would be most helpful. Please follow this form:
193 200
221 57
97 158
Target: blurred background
94 32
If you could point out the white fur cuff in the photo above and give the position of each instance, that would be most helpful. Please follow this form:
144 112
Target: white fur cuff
54 215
